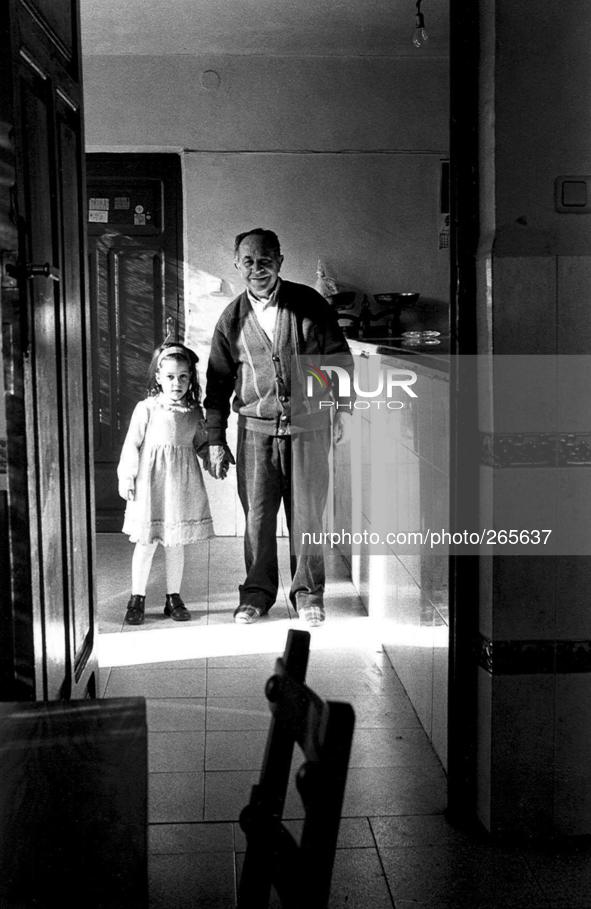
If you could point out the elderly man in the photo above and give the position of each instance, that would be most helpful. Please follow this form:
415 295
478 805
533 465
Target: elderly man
280 456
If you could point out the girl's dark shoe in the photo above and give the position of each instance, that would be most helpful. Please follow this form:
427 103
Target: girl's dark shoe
176 609
135 610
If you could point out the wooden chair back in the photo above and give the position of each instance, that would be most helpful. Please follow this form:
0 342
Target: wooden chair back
300 873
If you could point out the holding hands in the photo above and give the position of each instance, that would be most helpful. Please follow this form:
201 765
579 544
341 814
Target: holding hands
342 427
220 458
127 489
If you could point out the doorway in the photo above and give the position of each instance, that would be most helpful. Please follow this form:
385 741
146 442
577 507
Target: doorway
134 225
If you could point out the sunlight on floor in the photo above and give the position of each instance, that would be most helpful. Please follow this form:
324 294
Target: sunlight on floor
158 646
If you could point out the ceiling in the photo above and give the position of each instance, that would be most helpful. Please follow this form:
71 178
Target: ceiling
262 27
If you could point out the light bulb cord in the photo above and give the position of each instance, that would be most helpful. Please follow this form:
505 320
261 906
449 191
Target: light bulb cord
420 35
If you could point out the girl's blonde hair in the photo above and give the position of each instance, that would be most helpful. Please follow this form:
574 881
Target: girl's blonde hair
177 352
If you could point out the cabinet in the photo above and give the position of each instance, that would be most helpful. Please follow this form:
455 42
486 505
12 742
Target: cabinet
391 482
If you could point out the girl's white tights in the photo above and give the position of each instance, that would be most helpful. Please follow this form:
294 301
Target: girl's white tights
175 562
141 564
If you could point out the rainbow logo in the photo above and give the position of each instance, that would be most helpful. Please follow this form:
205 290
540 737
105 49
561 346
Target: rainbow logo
318 375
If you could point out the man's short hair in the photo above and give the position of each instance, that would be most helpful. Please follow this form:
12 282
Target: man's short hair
270 237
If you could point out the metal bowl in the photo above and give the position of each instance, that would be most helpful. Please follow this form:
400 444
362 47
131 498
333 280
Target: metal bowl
345 299
389 301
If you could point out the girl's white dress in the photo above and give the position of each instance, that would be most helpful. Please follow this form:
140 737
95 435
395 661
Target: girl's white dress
170 505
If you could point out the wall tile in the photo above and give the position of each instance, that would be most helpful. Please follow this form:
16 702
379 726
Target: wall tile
402 491
428 518
423 388
572 783
440 509
525 498
387 500
524 393
342 497
372 375
524 305
574 317
362 562
573 393
440 423
379 590
388 494
403 481
573 527
409 424
435 582
573 584
396 579
522 754
413 519
412 564
524 591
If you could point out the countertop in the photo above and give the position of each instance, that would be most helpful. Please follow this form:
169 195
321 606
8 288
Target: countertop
435 356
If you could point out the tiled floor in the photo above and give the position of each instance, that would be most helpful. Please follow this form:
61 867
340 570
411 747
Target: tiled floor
208 717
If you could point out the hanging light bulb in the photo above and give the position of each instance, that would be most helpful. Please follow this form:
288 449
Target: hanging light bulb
420 35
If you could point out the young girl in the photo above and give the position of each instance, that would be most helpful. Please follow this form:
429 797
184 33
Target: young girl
160 477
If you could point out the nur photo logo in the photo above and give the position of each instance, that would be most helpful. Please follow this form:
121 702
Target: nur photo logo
389 380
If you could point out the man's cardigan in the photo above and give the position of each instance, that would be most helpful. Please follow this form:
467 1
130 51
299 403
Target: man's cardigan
245 364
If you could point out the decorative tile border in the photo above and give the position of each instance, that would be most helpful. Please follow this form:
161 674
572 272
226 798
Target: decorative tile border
535 449
574 448
533 657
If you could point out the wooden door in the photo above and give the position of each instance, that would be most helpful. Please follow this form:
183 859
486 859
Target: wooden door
46 342
135 262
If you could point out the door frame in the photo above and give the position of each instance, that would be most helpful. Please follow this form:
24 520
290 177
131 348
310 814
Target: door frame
465 443
139 165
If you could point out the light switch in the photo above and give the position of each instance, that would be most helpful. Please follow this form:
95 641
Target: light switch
573 194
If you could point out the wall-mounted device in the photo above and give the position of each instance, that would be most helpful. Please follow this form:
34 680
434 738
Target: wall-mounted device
573 194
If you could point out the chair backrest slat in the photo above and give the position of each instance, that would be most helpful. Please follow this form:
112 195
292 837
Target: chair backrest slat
300 872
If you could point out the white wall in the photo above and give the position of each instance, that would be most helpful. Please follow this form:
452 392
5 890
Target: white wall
339 155
303 103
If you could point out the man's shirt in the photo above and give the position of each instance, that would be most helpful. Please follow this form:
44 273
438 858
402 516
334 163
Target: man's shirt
266 310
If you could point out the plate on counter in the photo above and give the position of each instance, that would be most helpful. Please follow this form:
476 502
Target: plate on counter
421 335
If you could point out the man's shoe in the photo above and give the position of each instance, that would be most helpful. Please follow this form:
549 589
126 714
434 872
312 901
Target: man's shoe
176 609
135 610
246 614
312 615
